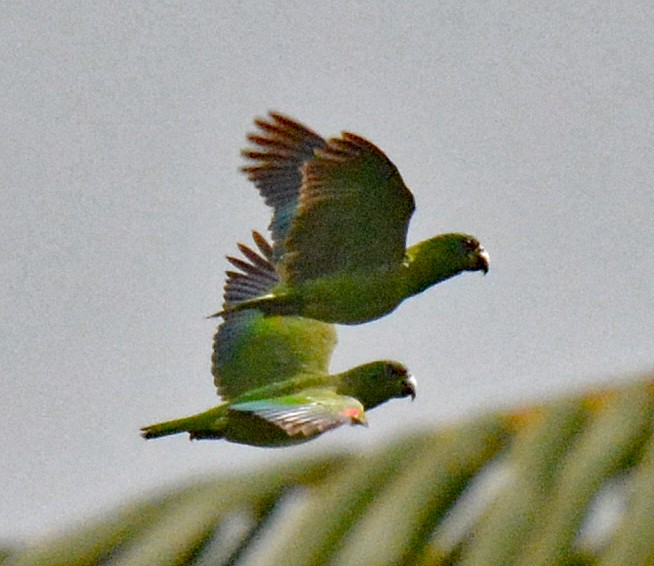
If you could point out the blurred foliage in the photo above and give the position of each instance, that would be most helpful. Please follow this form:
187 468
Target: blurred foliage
568 482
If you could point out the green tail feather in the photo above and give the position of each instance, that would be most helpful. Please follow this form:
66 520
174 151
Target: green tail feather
209 424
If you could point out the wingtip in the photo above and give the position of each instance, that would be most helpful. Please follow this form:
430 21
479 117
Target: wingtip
215 315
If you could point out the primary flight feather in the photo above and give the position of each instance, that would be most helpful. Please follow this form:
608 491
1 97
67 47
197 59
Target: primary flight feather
273 371
341 212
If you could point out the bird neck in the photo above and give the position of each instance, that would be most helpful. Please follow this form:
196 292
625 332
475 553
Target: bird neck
428 262
355 383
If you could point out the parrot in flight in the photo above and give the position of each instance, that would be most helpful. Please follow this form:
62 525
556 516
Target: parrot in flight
273 371
340 218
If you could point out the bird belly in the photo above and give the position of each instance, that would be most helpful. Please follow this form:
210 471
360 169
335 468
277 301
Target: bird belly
349 300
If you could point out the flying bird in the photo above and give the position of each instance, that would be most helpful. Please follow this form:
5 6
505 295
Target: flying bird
273 371
340 218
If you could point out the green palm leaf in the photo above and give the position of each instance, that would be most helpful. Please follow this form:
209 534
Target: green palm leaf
516 487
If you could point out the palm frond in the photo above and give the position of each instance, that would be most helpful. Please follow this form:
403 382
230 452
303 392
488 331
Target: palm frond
523 486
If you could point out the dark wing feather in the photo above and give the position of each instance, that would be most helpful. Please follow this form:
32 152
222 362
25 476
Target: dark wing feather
354 213
257 277
276 156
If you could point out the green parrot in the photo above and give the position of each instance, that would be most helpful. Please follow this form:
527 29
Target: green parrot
272 371
340 217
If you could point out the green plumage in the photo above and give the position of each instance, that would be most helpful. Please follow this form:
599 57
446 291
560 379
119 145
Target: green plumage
273 372
341 212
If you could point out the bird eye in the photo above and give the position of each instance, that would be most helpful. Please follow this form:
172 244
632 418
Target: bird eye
395 371
471 244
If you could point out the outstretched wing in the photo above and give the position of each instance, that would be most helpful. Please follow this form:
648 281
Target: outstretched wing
277 154
257 273
252 351
354 212
307 414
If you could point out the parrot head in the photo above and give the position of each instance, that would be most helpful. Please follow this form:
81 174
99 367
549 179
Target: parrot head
376 382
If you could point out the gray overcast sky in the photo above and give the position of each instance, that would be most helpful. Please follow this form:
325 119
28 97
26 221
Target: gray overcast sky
530 127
